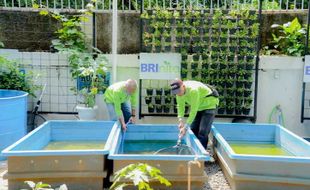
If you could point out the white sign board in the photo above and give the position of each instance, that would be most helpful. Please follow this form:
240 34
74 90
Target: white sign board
307 69
161 66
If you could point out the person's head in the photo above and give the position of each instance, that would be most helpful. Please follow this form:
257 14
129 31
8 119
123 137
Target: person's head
177 87
131 86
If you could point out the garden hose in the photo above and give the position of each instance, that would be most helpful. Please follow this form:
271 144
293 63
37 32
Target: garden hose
277 110
123 138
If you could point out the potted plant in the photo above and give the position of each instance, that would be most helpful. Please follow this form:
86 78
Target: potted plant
184 73
230 108
148 99
167 91
195 73
167 99
196 57
158 99
221 108
150 108
239 92
229 83
248 83
204 74
247 92
238 109
194 65
184 64
239 101
159 91
248 100
246 109
166 108
149 91
249 66
159 108
204 65
214 65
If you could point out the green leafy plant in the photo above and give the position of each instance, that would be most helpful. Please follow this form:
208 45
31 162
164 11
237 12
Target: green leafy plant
140 176
289 39
12 77
43 186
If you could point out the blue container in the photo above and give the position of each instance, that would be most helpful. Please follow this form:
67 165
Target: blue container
78 168
13 117
262 171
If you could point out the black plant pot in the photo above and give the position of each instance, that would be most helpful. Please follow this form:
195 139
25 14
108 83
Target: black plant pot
246 111
159 109
184 57
247 76
184 64
214 57
239 84
167 92
183 75
151 110
247 85
247 93
157 101
214 66
178 39
240 66
177 49
223 66
232 49
194 74
232 75
204 75
166 109
197 49
148 100
231 58
249 58
239 94
167 100
221 111
194 66
229 84
215 48
223 40
229 111
167 48
147 48
159 92
248 101
238 110
238 101
149 92
157 49
196 57
249 66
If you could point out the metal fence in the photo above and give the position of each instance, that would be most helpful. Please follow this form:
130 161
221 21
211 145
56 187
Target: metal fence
135 5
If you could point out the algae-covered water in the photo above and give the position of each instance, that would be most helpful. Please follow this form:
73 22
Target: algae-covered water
74 145
151 146
269 149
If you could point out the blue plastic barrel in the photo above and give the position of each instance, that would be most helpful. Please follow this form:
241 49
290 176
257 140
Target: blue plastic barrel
13 117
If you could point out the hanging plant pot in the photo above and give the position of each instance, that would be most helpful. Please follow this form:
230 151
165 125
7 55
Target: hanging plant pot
239 93
167 48
220 111
151 108
148 99
232 31
159 91
215 48
240 66
239 101
231 74
239 84
229 111
196 57
157 49
149 91
246 111
229 84
240 58
196 39
178 39
158 99
223 40
214 66
220 90
206 40
197 49
223 65
249 66
247 93
166 108
184 64
249 58
161 30
238 110
231 58
168 39
184 73
175 109
194 65
179 30
248 101
247 75
232 49
184 57
247 85
147 49
159 108
204 75
177 49
194 73
167 92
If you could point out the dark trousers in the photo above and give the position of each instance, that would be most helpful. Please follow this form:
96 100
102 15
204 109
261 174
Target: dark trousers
202 124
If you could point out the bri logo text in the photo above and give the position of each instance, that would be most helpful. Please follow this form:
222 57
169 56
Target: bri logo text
162 68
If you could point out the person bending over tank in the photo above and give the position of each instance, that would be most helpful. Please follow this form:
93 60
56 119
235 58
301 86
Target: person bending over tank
119 97
203 101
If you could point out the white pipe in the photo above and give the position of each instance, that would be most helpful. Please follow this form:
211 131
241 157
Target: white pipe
114 40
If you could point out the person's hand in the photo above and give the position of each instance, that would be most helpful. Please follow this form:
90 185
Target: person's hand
182 132
124 127
132 119
181 125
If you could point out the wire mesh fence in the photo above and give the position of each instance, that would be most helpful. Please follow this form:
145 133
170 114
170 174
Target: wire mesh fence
135 5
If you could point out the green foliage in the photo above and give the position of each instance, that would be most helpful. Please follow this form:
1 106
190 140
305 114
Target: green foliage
11 77
43 186
289 38
139 175
83 59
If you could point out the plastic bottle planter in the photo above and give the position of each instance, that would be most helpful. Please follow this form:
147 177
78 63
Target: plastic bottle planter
151 108
159 109
148 99
149 91
157 99
159 91
166 108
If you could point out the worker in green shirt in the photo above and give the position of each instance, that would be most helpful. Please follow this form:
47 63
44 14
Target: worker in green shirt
119 97
203 101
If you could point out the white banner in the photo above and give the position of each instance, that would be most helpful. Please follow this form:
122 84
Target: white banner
161 66
307 69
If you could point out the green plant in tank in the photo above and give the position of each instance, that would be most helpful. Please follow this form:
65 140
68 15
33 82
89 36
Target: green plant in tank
13 78
139 175
289 38
43 186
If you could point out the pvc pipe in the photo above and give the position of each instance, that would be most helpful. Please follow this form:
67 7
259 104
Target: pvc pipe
114 40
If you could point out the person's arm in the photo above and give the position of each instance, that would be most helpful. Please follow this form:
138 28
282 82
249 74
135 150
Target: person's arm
194 106
118 110
181 110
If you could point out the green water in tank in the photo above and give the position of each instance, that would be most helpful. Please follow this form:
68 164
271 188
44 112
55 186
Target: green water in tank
74 145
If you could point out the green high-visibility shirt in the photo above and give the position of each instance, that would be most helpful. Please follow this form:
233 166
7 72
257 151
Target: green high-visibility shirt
116 94
196 97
